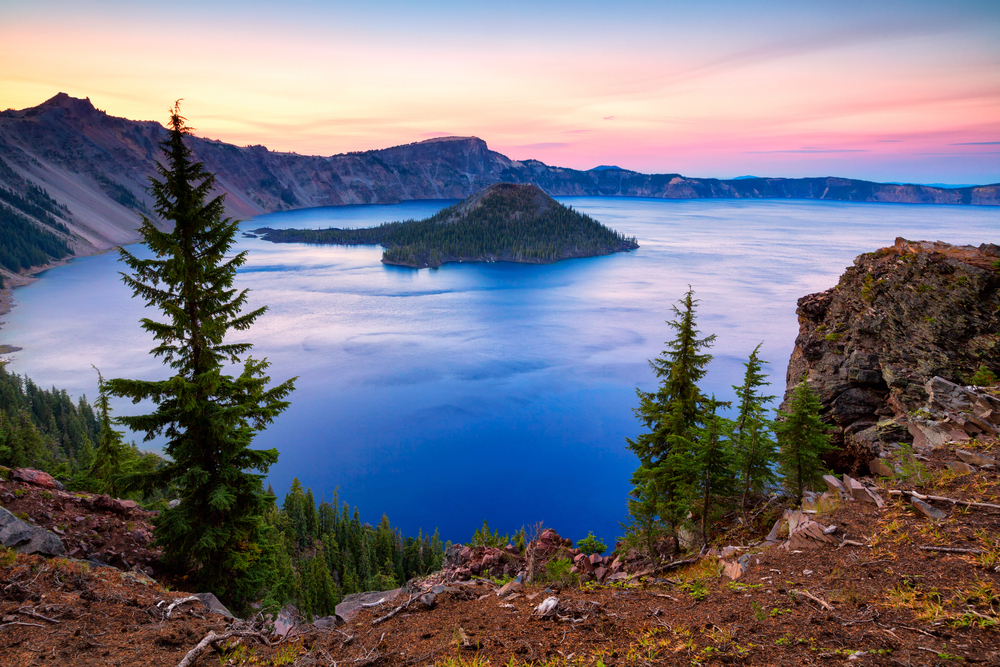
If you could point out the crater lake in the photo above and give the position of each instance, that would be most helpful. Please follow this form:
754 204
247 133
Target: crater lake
504 392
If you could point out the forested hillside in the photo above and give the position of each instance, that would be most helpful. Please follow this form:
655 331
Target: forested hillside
505 222
313 553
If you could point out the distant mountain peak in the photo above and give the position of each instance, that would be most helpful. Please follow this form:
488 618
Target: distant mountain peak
608 167
64 101
435 140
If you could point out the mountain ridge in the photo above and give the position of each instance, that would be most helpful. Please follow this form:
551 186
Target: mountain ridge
98 166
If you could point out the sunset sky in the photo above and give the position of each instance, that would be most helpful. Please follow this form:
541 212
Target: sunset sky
887 91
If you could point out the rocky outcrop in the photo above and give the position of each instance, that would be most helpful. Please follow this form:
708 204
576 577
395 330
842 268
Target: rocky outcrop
898 318
27 539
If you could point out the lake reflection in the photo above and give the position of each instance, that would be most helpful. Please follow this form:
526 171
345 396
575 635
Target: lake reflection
486 391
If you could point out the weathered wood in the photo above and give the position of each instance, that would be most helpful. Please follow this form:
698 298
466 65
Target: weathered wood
823 603
394 611
953 501
211 639
952 550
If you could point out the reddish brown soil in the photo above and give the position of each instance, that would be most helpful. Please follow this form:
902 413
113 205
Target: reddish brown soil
890 603
87 530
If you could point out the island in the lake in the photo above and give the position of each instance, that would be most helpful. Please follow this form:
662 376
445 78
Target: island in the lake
505 222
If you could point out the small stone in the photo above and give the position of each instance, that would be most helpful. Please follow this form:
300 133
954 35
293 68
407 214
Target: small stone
878 467
960 467
509 587
973 458
429 600
834 484
732 569
927 510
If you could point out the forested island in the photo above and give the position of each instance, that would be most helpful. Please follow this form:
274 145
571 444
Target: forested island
505 222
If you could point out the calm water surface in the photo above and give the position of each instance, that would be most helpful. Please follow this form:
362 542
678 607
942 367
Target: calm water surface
486 391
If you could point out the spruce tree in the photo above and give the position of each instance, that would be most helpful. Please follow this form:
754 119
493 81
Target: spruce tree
673 414
209 417
755 450
112 456
804 439
713 455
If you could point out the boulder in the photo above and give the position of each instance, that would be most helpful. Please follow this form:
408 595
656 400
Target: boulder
327 622
929 434
35 477
351 605
213 605
288 618
927 510
27 539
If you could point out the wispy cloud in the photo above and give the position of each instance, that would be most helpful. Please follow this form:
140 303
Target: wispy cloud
544 145
608 118
815 150
977 143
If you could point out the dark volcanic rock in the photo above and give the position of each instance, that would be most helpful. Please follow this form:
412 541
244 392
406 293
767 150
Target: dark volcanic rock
899 317
27 539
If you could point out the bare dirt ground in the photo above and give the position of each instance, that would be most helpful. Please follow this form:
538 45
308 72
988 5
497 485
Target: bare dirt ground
887 600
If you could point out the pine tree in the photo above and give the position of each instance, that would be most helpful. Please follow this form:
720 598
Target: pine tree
112 456
755 449
672 414
209 418
804 439
714 476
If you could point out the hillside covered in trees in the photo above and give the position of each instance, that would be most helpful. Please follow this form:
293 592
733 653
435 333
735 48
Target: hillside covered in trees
33 232
505 222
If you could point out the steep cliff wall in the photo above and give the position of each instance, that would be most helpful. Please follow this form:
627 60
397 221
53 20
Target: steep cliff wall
897 318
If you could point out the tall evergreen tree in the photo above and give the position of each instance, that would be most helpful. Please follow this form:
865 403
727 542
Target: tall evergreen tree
111 458
673 415
804 439
714 478
755 450
209 418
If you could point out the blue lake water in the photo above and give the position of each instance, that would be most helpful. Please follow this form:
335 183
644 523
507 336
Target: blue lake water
486 391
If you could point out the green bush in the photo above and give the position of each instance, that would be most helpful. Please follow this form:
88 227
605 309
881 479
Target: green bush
984 377
557 572
591 545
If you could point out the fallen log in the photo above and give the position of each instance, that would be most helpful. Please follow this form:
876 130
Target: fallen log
212 639
394 611
952 550
953 501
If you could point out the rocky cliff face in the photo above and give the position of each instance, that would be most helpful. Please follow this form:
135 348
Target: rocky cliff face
99 167
899 317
